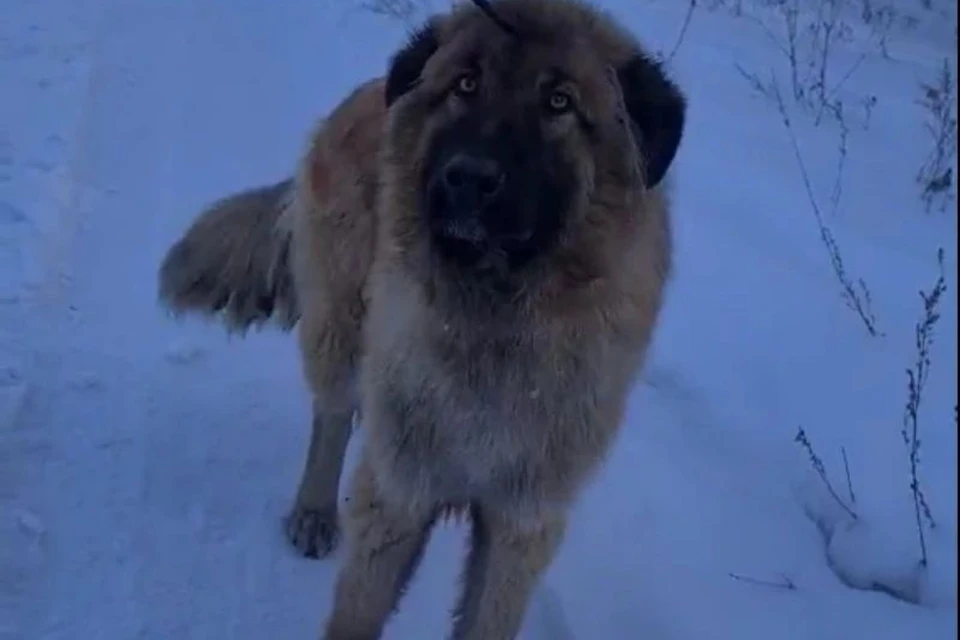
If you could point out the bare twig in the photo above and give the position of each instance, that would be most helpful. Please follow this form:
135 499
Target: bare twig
817 465
880 20
808 42
855 299
868 103
827 102
841 160
855 293
823 31
916 380
790 12
691 7
767 90
935 175
846 470
784 583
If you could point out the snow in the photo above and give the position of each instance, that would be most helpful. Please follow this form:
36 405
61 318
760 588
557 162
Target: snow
145 464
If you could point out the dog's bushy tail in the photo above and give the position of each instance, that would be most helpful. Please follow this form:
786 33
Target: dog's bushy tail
234 261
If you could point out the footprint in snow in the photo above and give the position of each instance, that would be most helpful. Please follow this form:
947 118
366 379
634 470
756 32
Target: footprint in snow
185 353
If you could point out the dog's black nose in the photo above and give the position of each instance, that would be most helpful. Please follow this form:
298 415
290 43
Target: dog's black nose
473 180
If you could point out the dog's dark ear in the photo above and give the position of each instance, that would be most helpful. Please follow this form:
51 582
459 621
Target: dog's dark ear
657 111
406 64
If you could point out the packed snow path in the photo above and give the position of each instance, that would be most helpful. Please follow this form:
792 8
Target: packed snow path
145 464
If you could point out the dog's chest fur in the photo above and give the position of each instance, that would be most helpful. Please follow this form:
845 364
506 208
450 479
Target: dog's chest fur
453 417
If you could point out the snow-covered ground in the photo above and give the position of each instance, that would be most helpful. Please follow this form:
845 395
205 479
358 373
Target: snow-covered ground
145 464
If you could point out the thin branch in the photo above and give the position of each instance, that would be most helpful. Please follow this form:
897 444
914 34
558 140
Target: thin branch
916 380
818 466
683 29
786 583
846 470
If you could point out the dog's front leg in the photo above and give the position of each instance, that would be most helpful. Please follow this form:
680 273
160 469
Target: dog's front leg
384 545
506 560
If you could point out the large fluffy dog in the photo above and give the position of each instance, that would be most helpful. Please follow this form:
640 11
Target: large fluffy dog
474 249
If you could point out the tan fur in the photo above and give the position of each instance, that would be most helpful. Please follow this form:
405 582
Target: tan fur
232 261
501 415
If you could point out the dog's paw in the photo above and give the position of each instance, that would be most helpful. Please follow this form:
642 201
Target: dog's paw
313 532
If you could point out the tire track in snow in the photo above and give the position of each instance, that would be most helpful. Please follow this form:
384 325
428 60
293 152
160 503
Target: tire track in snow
162 480
45 64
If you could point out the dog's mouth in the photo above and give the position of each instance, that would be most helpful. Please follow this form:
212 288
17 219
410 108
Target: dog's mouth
462 239
466 229
468 241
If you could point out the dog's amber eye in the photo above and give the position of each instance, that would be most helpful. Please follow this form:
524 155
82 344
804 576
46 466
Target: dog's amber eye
559 102
466 84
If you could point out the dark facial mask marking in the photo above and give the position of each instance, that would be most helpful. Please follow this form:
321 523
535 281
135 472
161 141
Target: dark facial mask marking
505 192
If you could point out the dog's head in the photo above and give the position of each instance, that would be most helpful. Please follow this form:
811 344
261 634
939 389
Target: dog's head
508 125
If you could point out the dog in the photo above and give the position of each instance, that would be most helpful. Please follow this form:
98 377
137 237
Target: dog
474 251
